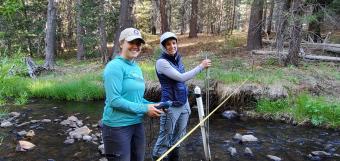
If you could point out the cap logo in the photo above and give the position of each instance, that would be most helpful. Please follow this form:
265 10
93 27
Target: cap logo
136 32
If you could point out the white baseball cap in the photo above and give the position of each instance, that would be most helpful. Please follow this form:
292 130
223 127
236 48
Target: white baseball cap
166 36
130 34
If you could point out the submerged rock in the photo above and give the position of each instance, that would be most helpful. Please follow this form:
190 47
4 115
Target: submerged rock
23 124
24 146
72 121
336 155
30 133
34 121
65 122
14 114
80 131
79 123
87 138
102 159
232 151
73 124
101 149
94 137
69 141
46 121
314 158
321 153
230 114
249 138
330 148
275 158
237 136
22 133
5 124
248 152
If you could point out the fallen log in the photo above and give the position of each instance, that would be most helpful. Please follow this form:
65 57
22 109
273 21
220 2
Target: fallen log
308 56
33 69
323 46
322 58
317 46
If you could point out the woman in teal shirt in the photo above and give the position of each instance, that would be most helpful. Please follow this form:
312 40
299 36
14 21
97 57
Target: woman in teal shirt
125 107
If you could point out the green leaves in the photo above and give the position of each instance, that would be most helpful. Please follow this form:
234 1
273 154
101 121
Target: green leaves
10 7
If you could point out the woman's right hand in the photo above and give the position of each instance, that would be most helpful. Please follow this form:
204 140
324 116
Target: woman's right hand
153 111
206 63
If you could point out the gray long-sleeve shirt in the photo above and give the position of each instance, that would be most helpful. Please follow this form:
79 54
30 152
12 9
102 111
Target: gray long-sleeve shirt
164 67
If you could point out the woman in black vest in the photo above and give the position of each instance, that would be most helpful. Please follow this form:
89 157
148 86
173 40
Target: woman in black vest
172 76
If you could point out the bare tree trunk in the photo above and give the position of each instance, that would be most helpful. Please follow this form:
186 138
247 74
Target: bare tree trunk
80 33
164 16
102 33
169 14
281 23
69 35
193 20
125 21
50 39
270 17
254 39
295 34
234 15
264 18
27 26
182 13
155 11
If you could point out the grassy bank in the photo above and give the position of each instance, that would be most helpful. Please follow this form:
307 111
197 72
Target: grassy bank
75 85
303 108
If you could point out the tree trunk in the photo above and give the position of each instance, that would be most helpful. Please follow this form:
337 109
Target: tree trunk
254 38
164 16
264 18
102 33
27 26
125 21
69 17
295 34
281 23
182 13
80 33
234 15
270 17
155 10
169 14
50 39
193 19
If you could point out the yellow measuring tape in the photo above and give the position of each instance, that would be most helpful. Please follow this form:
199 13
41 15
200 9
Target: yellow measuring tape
201 122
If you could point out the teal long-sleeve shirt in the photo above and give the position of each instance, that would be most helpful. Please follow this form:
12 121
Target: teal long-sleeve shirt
124 87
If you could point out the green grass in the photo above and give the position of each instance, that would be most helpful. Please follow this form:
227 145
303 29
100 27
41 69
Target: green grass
78 88
272 107
148 68
318 110
75 86
3 112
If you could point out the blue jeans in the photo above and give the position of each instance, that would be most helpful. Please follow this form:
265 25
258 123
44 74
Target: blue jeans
172 127
125 143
